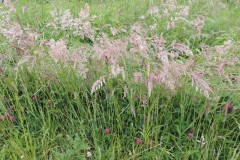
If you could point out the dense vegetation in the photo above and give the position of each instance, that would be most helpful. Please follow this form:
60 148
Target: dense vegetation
120 79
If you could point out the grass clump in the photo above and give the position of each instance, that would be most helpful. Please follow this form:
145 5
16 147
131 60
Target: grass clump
119 80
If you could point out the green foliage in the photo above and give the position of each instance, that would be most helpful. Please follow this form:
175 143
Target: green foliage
76 150
57 117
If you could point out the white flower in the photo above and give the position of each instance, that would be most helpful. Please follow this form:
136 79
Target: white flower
89 154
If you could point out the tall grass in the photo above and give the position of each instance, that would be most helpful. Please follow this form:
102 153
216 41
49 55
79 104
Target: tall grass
142 80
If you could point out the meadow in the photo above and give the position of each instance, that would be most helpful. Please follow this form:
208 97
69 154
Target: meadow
120 79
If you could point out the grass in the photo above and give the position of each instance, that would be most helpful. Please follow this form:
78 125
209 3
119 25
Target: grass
58 118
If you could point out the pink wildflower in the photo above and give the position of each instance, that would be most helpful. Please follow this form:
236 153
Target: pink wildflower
24 8
138 141
107 131
35 98
190 135
7 116
229 106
